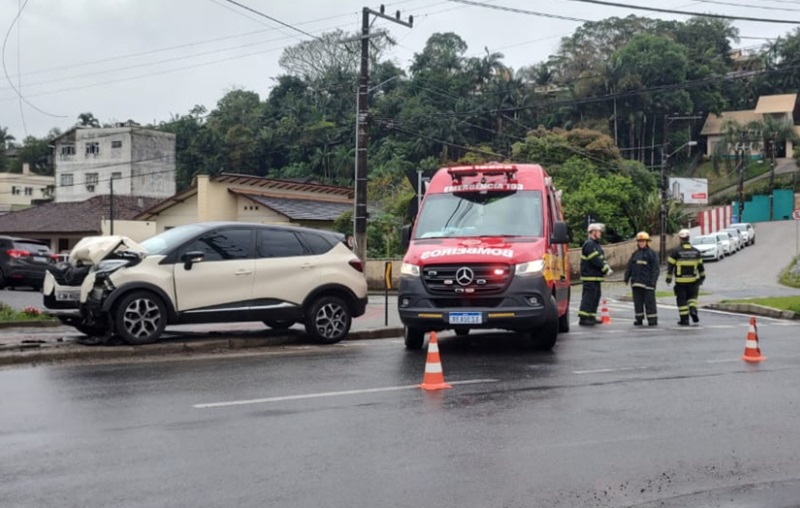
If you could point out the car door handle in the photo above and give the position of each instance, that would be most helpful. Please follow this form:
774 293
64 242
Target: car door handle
306 266
243 272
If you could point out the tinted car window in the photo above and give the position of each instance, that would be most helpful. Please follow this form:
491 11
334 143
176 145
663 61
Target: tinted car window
31 246
277 243
223 244
317 244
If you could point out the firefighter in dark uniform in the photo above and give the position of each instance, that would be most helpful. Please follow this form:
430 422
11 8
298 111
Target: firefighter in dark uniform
686 264
593 269
642 273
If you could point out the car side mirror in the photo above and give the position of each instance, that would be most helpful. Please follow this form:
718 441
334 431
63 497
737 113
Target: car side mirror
560 233
192 257
405 236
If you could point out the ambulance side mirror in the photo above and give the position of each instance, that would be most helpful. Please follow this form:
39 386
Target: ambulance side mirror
560 233
405 236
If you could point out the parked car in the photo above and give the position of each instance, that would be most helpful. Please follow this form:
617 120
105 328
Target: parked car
739 240
710 246
726 240
218 272
23 262
748 231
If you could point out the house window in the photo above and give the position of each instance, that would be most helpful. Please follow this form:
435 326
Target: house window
116 149
116 175
91 181
66 180
92 149
67 152
29 191
116 144
15 190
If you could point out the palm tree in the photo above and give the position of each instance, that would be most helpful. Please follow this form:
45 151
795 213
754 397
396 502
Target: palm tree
5 138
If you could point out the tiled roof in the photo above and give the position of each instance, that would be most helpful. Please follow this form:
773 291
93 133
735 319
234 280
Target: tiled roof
82 217
776 103
300 209
714 123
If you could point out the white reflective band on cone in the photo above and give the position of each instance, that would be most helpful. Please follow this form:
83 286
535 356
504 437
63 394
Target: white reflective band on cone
751 344
433 368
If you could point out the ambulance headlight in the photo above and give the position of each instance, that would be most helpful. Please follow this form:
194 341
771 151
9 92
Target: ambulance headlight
409 269
530 267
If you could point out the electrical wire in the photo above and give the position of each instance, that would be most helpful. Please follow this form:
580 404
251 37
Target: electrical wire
685 13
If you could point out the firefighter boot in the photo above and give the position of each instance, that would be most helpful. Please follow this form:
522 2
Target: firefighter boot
693 313
637 322
652 322
684 321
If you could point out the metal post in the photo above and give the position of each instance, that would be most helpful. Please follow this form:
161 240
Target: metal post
111 204
419 190
360 218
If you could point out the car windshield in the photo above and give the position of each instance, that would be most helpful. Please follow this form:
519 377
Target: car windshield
481 214
704 240
163 242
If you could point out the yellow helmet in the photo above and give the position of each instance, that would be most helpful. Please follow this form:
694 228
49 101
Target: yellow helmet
642 235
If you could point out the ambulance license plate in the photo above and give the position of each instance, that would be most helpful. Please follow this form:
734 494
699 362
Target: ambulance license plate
466 318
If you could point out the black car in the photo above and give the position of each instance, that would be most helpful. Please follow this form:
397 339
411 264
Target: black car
23 262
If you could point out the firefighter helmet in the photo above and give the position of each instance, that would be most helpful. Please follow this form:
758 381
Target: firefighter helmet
596 226
684 233
642 235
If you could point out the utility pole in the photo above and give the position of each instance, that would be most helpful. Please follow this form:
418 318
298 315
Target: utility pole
362 136
740 148
662 249
771 179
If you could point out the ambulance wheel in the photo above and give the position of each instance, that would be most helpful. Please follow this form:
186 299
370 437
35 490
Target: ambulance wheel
414 338
544 337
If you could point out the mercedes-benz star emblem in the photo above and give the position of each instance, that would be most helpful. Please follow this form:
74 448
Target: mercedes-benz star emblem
464 276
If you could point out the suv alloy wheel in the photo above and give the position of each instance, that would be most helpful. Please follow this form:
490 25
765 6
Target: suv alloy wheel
328 320
140 318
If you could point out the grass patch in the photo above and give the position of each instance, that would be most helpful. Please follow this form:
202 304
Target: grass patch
787 278
8 314
791 303
726 177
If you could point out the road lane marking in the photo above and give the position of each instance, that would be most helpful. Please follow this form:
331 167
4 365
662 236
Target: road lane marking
603 371
328 394
727 360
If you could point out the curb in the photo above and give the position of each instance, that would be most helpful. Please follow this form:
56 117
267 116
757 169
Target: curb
31 324
33 353
752 308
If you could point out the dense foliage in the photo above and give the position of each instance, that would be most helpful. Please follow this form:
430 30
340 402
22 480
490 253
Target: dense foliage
592 114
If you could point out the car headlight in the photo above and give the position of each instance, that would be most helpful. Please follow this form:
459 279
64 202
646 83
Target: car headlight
409 269
530 267
109 266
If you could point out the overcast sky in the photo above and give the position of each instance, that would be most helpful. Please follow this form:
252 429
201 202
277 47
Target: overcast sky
148 59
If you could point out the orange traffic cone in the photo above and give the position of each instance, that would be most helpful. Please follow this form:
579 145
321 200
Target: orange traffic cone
434 377
751 351
605 318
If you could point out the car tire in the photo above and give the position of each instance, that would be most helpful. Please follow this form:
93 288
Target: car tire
563 321
140 318
328 320
2 279
414 338
462 332
279 324
91 331
544 337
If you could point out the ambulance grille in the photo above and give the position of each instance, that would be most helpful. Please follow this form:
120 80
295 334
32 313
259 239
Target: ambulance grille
467 279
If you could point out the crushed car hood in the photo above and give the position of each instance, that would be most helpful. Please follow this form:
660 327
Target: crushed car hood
93 249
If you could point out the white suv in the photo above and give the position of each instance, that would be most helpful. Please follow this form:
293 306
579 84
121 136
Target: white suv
220 272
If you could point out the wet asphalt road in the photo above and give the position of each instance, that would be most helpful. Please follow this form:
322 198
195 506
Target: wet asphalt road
614 416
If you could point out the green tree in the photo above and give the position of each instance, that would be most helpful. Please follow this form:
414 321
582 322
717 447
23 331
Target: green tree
88 120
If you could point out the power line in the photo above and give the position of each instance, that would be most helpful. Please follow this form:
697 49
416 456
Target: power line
234 2
521 11
751 6
686 13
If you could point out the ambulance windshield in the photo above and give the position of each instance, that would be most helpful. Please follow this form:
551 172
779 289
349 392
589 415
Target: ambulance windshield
452 215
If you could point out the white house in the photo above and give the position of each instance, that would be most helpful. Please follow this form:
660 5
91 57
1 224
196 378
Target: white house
137 161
